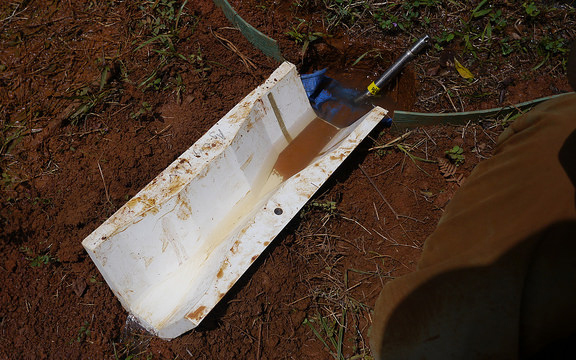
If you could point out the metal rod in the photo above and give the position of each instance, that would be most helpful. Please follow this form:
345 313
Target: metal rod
393 70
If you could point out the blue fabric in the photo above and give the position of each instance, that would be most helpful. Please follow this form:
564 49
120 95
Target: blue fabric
327 96
315 85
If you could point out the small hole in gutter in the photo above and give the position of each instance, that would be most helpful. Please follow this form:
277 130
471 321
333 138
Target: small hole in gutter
278 211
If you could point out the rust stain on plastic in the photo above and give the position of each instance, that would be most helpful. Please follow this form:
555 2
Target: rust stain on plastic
184 211
247 162
339 157
234 248
165 243
147 261
133 203
220 274
197 314
149 204
177 181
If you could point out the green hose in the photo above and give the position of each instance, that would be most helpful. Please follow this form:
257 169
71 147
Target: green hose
406 119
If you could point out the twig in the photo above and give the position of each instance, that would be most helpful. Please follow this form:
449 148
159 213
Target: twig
387 170
259 342
414 157
14 13
229 45
465 128
413 219
379 192
295 301
104 181
88 132
448 95
391 143
429 137
159 133
380 256
357 223
376 211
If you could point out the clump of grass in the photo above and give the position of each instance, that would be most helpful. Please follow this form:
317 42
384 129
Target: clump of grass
302 34
403 16
345 12
161 23
329 332
336 320
87 99
144 111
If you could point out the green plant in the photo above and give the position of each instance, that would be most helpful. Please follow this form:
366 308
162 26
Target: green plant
163 19
345 12
41 201
455 155
498 20
383 152
549 47
377 54
7 180
553 46
412 157
443 39
145 110
10 135
329 332
87 99
42 260
37 260
531 9
94 280
334 328
178 85
302 34
481 10
326 206
201 65
404 15
163 15
505 47
83 332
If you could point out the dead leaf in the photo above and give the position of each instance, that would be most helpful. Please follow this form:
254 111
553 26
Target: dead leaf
433 71
465 73
79 286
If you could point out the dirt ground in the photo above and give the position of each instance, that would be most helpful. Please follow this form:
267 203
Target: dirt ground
97 98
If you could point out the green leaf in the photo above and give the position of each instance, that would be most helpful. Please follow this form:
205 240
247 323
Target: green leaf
481 13
103 77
